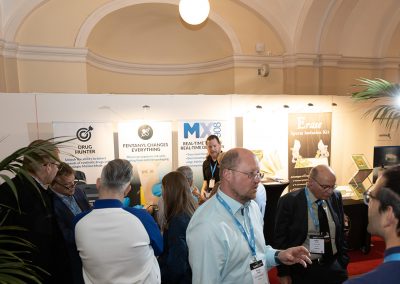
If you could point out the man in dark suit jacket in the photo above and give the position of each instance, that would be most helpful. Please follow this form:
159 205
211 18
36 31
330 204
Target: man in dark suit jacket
33 210
68 202
298 223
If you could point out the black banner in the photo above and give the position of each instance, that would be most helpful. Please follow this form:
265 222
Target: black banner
309 145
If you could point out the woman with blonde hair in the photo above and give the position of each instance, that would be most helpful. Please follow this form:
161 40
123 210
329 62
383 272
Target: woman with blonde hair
179 207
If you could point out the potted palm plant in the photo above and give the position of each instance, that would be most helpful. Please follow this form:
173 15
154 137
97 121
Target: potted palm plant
13 267
379 90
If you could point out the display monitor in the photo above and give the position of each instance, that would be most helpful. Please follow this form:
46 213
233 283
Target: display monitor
385 157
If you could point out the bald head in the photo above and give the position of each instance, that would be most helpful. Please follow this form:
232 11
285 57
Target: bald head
239 173
321 181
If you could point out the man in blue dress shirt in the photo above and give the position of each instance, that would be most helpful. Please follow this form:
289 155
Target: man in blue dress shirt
225 235
384 221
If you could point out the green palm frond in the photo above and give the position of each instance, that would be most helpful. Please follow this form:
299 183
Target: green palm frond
13 162
13 268
376 90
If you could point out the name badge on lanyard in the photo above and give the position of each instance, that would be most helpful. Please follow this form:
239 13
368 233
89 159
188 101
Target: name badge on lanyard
258 272
257 268
211 182
317 244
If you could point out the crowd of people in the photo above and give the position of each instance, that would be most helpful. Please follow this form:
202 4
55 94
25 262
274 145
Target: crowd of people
212 235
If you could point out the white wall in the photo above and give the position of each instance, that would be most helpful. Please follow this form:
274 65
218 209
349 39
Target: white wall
25 117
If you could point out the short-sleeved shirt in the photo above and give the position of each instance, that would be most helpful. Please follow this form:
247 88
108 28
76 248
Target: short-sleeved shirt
207 172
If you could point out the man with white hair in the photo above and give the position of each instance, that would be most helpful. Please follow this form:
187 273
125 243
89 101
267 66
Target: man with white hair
117 244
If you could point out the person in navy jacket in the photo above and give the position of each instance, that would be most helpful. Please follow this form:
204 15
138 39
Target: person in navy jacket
68 201
384 221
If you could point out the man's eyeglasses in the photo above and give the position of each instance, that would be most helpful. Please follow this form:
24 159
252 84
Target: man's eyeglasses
324 186
250 175
58 165
367 196
66 186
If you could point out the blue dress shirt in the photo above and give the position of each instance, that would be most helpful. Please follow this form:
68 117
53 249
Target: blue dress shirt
218 252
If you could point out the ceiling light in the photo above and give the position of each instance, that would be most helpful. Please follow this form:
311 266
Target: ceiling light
194 12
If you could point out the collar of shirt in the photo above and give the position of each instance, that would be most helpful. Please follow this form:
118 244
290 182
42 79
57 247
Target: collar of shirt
45 187
233 204
107 203
59 194
392 250
311 196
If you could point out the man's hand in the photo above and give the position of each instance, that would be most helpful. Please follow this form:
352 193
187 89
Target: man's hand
295 255
285 280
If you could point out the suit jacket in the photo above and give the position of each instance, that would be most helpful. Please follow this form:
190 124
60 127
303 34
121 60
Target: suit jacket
291 224
64 217
35 215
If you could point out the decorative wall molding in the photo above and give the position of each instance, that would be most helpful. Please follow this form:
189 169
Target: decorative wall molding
85 56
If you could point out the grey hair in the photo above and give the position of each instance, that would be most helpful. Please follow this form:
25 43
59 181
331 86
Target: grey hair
117 174
187 172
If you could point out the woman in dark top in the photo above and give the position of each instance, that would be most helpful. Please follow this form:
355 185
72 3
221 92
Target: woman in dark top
179 207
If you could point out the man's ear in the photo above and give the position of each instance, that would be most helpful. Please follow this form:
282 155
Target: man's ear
389 218
98 184
127 189
226 174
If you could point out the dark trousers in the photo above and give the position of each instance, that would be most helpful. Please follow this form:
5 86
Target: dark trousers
316 273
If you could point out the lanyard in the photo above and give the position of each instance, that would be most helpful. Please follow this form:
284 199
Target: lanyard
251 242
213 168
392 257
310 209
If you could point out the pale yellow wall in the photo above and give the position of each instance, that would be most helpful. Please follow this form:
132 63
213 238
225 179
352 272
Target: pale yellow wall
36 76
2 76
301 80
141 34
10 75
100 81
248 81
56 23
249 28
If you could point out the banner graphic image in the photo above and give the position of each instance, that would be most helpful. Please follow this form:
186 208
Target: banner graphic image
148 145
92 149
309 143
192 148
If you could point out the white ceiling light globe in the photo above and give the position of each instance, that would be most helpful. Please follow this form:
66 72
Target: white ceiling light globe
194 12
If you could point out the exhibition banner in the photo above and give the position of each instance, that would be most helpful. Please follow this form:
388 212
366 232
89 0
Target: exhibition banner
265 133
309 145
192 148
92 149
148 145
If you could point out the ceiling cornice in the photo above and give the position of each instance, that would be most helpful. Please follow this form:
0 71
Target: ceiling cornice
83 55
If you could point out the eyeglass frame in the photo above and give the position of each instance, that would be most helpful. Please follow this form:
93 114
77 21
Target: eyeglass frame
250 175
367 196
58 165
324 186
66 187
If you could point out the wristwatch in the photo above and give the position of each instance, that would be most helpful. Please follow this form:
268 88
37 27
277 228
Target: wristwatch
276 258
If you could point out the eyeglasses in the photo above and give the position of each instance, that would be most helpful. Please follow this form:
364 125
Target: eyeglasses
367 196
250 175
66 186
58 165
324 186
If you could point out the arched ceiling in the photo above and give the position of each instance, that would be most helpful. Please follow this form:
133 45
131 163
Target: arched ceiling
120 36
359 28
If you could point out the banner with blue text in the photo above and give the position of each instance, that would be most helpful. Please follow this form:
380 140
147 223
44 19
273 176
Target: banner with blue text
192 148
